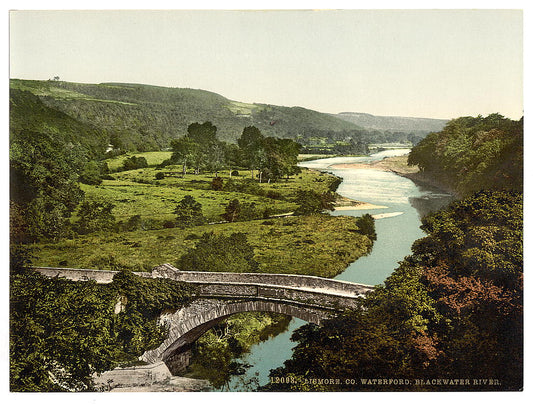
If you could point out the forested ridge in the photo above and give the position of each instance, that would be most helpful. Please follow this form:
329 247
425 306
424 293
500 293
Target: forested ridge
137 117
450 317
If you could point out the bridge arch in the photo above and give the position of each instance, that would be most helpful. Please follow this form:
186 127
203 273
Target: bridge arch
188 324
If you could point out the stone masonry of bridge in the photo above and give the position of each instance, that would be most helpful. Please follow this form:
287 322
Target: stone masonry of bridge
219 295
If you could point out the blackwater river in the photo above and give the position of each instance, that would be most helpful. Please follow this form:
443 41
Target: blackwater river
405 200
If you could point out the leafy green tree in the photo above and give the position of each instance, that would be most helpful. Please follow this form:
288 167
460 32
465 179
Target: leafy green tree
220 253
202 134
471 154
281 157
43 181
366 225
95 216
91 173
189 212
184 151
251 145
310 202
233 210
217 183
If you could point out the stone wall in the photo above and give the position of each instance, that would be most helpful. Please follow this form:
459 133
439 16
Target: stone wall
100 276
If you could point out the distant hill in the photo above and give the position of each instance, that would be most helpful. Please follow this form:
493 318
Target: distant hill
393 124
140 117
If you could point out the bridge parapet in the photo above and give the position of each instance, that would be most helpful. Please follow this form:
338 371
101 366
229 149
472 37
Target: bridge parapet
311 283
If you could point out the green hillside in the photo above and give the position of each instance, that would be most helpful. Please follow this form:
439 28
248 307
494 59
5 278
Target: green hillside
138 117
27 112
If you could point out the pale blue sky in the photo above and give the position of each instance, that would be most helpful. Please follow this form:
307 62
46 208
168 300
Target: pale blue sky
423 63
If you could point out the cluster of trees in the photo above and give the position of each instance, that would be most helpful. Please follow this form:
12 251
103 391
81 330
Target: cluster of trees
44 188
353 141
474 153
453 309
272 158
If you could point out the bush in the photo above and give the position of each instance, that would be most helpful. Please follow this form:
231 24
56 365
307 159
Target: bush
217 183
169 224
95 216
159 176
310 202
233 210
235 173
275 195
220 253
134 162
366 225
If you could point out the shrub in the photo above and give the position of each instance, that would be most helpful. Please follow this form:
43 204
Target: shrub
169 224
220 253
95 216
134 162
217 183
275 195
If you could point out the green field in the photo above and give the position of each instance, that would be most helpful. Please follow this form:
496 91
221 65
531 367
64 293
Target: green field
137 192
319 245
152 158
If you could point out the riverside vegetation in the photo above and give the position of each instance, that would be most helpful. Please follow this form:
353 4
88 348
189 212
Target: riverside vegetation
453 310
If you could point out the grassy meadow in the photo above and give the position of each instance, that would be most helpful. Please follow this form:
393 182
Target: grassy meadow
137 192
318 245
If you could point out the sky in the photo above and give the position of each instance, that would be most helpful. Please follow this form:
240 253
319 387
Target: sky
418 63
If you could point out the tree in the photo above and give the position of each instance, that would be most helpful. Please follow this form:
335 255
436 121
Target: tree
220 253
184 151
217 183
134 162
43 182
310 202
251 145
366 225
91 173
209 152
189 212
95 216
471 154
233 210
281 157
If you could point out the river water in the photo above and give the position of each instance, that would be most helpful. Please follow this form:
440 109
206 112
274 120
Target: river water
406 201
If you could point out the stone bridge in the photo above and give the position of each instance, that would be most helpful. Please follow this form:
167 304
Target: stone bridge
220 295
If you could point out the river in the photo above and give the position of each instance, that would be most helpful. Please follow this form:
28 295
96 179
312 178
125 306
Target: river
404 199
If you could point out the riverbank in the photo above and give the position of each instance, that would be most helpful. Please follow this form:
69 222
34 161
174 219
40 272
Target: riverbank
345 204
399 166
